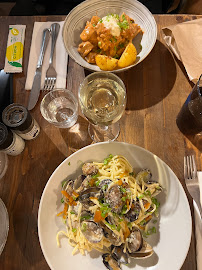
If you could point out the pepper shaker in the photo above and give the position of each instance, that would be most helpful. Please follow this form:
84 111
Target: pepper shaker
19 119
10 143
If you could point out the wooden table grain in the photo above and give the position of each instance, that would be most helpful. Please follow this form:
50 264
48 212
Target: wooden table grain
156 90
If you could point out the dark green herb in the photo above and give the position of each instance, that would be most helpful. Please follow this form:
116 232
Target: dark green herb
62 200
151 231
129 225
114 39
156 202
123 199
113 227
124 208
64 182
143 222
124 23
131 173
100 21
141 196
105 210
104 187
96 176
74 230
158 188
94 25
123 190
85 217
155 221
72 212
69 163
147 192
118 227
97 183
106 160
83 227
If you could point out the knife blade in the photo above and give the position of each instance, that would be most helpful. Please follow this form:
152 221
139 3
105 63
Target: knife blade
36 86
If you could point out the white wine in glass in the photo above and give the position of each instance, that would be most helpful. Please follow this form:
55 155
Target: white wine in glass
102 97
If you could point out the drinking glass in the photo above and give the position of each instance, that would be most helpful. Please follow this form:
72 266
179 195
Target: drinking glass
60 107
4 225
102 97
189 119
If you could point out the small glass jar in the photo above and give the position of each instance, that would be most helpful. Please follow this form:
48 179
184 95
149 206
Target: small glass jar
10 143
19 119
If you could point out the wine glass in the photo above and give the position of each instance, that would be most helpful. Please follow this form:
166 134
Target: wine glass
102 97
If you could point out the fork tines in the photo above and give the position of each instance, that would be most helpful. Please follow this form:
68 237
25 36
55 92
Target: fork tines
49 83
190 170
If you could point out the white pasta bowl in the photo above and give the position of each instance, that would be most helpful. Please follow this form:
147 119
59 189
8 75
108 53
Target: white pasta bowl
77 18
173 235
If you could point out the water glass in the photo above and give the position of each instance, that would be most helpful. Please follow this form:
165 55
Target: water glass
60 108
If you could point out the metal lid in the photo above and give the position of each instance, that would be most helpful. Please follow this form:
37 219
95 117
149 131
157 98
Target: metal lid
16 117
6 137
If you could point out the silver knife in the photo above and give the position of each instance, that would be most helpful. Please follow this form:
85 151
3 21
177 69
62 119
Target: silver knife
36 87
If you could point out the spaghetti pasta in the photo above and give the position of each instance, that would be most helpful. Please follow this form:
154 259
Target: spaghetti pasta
109 205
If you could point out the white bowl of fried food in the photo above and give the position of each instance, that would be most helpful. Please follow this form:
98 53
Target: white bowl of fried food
109 35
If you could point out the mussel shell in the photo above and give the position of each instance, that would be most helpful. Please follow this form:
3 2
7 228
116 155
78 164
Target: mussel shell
83 184
114 199
89 169
145 252
89 192
111 236
85 195
135 240
144 175
110 262
78 181
105 182
119 255
134 212
68 187
92 231
67 184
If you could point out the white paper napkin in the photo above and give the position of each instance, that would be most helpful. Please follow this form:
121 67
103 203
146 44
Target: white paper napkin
198 227
59 60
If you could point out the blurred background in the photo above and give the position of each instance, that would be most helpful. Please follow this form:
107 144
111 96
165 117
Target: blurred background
63 7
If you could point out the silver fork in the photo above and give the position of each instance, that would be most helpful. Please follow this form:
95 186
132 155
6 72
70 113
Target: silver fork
191 180
51 74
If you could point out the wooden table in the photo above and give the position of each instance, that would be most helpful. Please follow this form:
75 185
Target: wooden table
156 90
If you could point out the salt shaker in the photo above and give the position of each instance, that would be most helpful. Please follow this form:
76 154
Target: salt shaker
19 119
10 143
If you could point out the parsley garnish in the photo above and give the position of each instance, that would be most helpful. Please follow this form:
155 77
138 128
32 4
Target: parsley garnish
106 160
85 217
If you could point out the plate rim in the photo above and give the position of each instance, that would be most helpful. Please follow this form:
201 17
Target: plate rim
120 69
125 144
